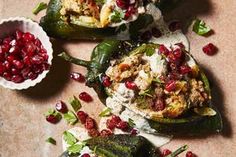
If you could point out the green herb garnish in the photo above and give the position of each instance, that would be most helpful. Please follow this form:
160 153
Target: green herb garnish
178 151
106 112
76 148
117 16
70 117
200 27
150 51
75 103
51 140
40 6
131 122
69 138
53 112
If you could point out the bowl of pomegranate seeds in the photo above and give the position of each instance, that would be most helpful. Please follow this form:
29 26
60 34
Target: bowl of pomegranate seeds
25 53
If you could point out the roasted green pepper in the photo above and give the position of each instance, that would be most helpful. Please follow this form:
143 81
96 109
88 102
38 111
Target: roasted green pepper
192 124
124 146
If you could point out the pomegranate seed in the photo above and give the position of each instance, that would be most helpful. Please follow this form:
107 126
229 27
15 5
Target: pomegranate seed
209 49
37 59
32 76
146 36
18 64
37 42
85 97
106 132
115 119
19 34
43 50
52 119
44 55
156 32
185 69
82 116
110 125
90 123
27 61
166 152
93 133
123 4
170 86
134 132
174 75
7 76
5 48
158 105
7 65
15 71
130 85
25 72
77 77
2 69
172 58
163 50
190 154
61 107
7 40
106 81
175 25
180 45
85 155
178 53
30 47
129 12
14 49
124 126
17 78
11 58
28 37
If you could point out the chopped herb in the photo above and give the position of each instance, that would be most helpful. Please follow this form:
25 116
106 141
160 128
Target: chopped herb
200 27
51 140
147 92
69 138
76 148
52 112
106 112
117 16
150 51
131 122
178 151
100 2
70 117
75 103
40 6
157 80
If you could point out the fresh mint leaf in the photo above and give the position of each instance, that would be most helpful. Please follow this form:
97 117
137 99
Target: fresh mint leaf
76 148
150 51
70 117
106 112
200 27
75 103
117 16
131 122
40 6
51 140
69 138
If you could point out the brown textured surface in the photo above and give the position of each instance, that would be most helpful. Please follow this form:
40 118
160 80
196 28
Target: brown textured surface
23 129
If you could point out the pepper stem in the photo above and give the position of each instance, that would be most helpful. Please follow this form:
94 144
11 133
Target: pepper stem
178 151
74 60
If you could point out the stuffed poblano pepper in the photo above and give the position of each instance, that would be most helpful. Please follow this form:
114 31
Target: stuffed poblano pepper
96 19
162 84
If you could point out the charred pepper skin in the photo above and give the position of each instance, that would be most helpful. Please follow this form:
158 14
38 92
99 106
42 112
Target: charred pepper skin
190 125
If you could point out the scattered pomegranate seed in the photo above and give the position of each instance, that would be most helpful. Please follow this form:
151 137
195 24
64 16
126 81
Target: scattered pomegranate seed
124 126
158 105
178 53
85 155
110 124
175 25
115 119
61 107
82 116
93 133
156 32
85 97
185 69
52 119
166 152
129 12
190 154
106 81
90 123
209 49
106 132
77 77
130 85
170 86
164 50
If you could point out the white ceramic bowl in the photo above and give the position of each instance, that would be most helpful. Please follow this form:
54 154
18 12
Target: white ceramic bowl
8 27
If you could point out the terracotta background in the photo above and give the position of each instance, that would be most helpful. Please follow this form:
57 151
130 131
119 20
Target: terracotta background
23 128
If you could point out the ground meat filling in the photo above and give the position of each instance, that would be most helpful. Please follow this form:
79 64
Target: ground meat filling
170 88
